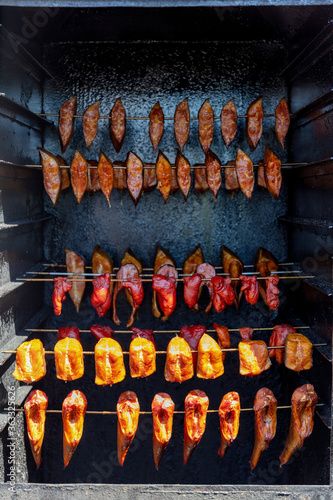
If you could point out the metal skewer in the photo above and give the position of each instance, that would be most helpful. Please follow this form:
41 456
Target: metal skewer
254 273
55 115
178 412
152 269
230 349
54 330
150 280
151 165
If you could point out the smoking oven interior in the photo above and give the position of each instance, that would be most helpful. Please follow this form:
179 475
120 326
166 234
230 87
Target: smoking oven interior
165 55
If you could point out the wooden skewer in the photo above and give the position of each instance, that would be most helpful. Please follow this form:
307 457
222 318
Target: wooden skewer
152 269
252 273
144 117
151 165
54 330
230 349
178 412
150 280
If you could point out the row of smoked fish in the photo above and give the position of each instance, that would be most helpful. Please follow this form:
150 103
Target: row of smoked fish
192 349
303 404
182 117
137 177
223 290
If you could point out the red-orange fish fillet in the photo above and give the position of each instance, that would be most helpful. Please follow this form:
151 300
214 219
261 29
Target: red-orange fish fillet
34 409
128 411
162 409
73 412
196 406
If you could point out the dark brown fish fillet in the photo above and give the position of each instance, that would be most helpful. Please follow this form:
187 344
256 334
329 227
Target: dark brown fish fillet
90 123
230 176
273 175
163 174
119 176
264 406
79 175
200 179
303 405
51 175
149 176
183 169
76 264
206 125
229 122
117 125
105 175
214 176
282 120
134 170
245 174
233 266
254 117
182 123
156 125
66 122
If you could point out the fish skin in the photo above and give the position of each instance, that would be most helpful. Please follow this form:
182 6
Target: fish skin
214 175
66 122
128 411
229 412
303 405
117 125
229 122
253 357
282 120
52 176
163 175
105 175
79 175
90 123
196 406
192 334
134 171
156 125
183 171
254 119
265 405
68 356
182 124
276 339
223 336
297 352
206 125
162 409
142 357
34 408
30 365
272 172
109 362
179 361
61 286
76 264
245 173
210 359
73 412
